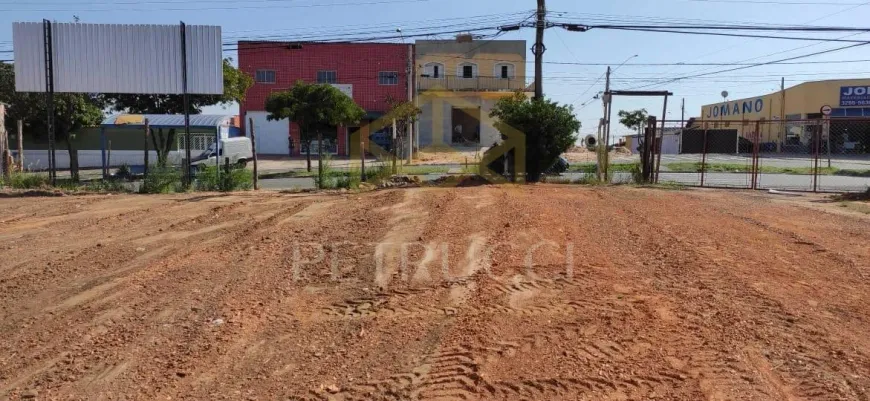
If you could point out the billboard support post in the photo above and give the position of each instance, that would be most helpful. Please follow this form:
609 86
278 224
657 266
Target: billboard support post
186 101
49 99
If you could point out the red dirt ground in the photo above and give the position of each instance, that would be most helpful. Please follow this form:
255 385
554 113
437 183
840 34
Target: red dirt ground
629 294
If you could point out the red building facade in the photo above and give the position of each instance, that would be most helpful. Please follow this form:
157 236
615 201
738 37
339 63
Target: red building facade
371 72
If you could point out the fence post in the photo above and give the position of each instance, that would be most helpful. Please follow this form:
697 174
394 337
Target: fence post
755 155
704 157
20 145
4 166
147 134
254 151
817 142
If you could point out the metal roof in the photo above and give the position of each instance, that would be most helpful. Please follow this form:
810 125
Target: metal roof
168 120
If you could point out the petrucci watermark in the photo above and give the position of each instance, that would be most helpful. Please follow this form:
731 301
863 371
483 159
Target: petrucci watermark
417 261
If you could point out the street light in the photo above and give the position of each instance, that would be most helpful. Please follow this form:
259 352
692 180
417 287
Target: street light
399 31
623 63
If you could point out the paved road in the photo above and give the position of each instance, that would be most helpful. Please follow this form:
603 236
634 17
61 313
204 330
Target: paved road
828 183
838 161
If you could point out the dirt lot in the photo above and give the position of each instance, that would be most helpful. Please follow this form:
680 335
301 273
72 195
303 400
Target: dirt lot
628 294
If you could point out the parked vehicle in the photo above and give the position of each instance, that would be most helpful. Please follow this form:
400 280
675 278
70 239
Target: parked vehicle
238 150
560 166
382 138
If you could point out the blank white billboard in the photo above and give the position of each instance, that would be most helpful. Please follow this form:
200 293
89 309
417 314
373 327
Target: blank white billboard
113 58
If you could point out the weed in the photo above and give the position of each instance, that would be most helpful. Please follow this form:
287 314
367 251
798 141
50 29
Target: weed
21 180
161 180
228 180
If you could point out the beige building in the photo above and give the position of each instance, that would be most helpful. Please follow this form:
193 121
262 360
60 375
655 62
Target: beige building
789 117
458 83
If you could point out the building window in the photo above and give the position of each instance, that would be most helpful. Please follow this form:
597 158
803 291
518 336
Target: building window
265 76
504 70
467 70
388 78
327 77
433 70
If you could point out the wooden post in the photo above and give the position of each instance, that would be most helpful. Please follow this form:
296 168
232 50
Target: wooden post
254 151
145 148
393 145
108 157
20 145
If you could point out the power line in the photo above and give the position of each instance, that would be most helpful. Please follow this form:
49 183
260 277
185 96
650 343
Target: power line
755 65
226 8
736 35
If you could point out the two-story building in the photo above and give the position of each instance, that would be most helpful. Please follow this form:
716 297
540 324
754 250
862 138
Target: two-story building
458 83
371 73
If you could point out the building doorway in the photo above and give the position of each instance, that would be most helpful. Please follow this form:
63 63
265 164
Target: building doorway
466 126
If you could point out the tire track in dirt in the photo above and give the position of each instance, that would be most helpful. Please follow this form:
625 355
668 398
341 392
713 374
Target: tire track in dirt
109 333
745 300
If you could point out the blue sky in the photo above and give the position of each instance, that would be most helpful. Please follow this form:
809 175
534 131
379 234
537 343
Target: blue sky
565 83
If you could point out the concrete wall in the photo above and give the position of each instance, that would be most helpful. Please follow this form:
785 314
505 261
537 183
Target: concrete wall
91 159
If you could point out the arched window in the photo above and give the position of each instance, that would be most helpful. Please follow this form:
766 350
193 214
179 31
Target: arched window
467 70
504 71
433 70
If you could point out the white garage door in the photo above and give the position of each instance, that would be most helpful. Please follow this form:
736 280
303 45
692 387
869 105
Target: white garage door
273 137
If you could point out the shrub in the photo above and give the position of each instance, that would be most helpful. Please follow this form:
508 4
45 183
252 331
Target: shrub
236 179
161 180
547 127
20 180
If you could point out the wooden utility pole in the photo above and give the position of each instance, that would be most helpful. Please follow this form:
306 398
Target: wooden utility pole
254 151
539 49
20 145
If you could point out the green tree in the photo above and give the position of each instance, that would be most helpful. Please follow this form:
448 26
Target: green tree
633 120
404 113
314 108
236 84
550 129
71 112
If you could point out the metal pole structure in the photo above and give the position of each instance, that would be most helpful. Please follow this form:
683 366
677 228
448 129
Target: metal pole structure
20 145
186 100
49 99
254 151
145 148
539 49
660 142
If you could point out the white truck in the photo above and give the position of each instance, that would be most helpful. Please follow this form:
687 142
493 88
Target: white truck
238 150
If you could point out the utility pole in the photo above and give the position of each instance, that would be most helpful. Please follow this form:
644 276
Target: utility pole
409 126
539 50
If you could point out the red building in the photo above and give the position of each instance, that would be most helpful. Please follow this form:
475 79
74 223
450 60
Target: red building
370 72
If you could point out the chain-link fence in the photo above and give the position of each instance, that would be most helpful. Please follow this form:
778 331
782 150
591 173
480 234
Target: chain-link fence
821 155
